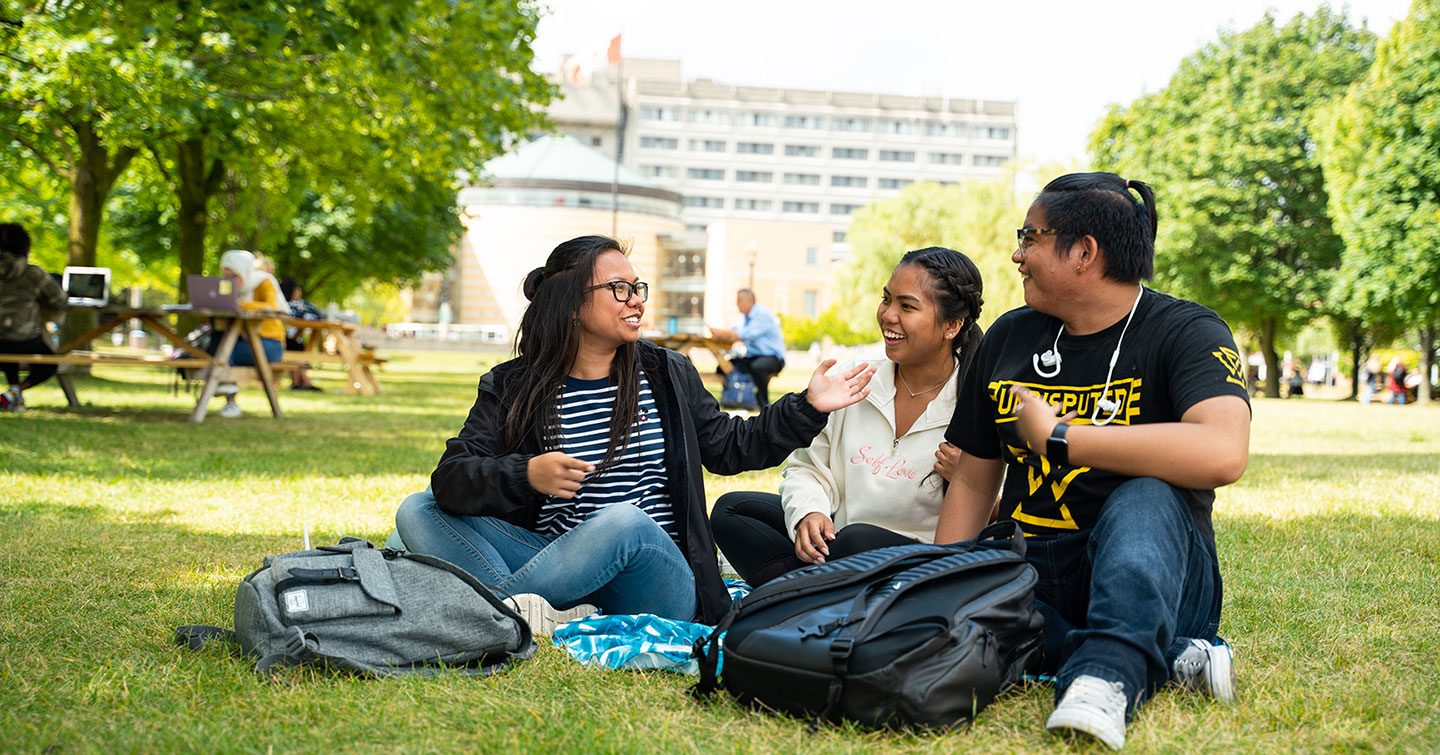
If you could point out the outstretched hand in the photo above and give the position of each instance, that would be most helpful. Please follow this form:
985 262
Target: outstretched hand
828 393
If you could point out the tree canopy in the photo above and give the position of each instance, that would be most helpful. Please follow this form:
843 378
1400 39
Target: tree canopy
974 218
1229 146
1381 154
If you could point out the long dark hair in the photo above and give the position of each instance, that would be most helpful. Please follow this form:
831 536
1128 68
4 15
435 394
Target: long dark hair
546 345
1101 205
957 288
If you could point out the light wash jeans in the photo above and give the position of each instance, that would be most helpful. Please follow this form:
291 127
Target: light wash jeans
619 559
1121 601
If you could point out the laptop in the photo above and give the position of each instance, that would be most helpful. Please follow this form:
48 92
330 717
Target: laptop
211 292
87 286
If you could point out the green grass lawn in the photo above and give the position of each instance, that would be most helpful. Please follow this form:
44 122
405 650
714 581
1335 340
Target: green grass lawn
121 520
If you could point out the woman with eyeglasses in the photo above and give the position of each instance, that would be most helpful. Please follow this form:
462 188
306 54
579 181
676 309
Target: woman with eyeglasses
575 483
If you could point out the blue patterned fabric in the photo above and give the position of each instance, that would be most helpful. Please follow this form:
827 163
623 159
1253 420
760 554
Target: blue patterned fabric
638 642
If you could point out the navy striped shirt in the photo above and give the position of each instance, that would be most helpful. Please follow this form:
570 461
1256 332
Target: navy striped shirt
638 475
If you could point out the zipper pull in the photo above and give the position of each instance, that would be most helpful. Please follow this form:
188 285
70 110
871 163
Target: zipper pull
894 445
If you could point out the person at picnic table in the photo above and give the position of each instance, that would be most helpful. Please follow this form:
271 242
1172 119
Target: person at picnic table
759 330
304 310
576 481
28 295
875 475
256 291
1111 412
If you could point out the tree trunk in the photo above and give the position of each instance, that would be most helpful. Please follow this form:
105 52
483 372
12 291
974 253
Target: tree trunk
92 177
194 212
1357 345
1272 360
1427 351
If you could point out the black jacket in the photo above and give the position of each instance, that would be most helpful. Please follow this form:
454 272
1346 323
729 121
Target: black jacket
476 477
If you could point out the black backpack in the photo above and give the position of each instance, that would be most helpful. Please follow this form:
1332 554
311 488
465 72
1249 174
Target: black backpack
912 635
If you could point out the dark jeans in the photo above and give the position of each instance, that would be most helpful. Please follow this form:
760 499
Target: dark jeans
1122 600
761 369
39 373
750 530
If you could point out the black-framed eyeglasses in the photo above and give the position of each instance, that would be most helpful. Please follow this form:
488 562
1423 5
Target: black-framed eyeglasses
623 290
1021 233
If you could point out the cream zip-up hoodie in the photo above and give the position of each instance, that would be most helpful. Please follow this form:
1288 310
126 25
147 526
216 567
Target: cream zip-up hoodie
857 471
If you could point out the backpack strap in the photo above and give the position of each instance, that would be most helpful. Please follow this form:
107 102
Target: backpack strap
300 647
194 636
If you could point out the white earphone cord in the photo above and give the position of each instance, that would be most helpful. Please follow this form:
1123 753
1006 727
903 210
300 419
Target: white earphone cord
1052 357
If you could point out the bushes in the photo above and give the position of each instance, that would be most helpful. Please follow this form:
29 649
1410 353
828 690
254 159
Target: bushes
801 332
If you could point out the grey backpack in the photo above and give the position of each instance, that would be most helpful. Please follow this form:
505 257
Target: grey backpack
376 612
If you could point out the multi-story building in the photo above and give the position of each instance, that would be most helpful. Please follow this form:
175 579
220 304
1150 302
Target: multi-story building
795 155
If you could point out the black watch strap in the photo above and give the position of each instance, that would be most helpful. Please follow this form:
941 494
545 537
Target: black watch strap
1057 448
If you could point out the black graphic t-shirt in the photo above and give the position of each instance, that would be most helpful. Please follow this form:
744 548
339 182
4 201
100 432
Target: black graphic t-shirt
1175 354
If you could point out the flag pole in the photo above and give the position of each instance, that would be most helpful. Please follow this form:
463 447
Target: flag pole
619 149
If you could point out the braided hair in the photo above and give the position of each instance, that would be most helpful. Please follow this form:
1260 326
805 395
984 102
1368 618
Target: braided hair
957 289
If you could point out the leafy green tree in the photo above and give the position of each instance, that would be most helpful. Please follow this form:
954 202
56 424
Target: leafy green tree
976 218
1381 153
1229 146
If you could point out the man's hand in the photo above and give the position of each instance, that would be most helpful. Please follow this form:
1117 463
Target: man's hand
1036 418
828 393
811 535
556 474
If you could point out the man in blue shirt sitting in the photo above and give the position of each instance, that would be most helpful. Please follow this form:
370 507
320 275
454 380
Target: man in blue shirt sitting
764 346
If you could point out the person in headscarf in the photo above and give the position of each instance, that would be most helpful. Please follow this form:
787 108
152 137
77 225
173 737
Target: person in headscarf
256 290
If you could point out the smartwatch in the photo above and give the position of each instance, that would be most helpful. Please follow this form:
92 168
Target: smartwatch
1057 448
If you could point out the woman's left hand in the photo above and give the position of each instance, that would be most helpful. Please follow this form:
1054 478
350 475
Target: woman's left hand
828 393
947 459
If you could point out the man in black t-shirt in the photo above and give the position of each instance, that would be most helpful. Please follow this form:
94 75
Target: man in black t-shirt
1112 412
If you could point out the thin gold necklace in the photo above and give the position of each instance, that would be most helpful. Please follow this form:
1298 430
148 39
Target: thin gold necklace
913 394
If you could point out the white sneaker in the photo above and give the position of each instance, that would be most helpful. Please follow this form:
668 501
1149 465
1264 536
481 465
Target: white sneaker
543 617
230 410
12 400
1092 706
1207 668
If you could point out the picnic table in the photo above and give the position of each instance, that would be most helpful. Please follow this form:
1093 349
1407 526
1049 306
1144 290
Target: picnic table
214 369
684 342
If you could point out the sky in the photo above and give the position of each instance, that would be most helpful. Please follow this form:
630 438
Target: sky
1064 62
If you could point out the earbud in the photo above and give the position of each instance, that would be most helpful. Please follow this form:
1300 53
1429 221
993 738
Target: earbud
1107 405
1049 358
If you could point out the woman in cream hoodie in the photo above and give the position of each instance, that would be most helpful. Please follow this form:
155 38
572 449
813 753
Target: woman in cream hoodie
875 476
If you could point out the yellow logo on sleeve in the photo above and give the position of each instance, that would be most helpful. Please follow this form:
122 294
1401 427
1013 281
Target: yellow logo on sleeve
1233 365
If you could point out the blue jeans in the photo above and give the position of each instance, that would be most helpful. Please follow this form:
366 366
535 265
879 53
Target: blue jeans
619 559
242 356
1123 600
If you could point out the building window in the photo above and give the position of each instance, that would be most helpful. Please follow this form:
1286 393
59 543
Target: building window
850 153
812 255
706 174
706 145
808 208
894 183
596 141
812 301
838 237
991 132
717 117
658 142
989 161
896 127
947 158
854 182
652 113
715 203
803 179
896 156
695 228
944 129
801 150
843 209
858 125
660 171
754 148
755 176
759 119
763 205
803 121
